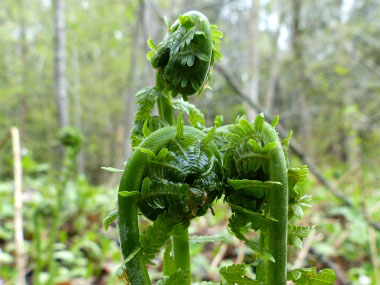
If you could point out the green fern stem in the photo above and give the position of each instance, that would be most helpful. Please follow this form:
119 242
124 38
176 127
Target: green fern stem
127 213
181 252
260 269
278 207
165 109
164 105
180 236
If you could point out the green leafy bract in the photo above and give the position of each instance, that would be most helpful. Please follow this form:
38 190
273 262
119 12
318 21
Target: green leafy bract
146 99
111 217
168 267
157 234
196 117
297 233
235 274
180 277
309 276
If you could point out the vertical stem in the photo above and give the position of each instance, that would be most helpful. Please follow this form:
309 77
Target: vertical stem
278 208
165 109
260 269
67 170
37 239
181 250
180 234
374 254
164 104
130 237
19 235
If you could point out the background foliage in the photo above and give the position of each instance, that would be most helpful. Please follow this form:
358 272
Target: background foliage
315 63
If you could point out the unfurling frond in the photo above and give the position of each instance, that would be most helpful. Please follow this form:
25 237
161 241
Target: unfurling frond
196 117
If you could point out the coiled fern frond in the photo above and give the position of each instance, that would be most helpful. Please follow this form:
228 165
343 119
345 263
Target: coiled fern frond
184 57
183 176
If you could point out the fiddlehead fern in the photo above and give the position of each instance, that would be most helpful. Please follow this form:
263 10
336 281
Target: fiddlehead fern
174 170
174 173
184 58
256 172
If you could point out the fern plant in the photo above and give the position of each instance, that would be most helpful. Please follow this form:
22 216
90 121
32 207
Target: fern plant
177 171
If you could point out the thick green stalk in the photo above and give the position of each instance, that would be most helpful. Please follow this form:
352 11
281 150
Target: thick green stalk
180 235
181 250
278 208
127 214
164 105
165 109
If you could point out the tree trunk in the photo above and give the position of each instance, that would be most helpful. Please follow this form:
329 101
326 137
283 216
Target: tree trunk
60 64
25 77
303 108
253 57
130 101
77 107
270 94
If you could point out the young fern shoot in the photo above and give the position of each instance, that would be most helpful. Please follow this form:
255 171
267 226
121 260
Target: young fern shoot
176 172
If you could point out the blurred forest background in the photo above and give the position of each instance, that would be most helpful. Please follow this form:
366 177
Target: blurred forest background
80 62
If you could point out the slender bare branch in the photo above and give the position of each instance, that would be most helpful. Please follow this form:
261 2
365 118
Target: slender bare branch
19 235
